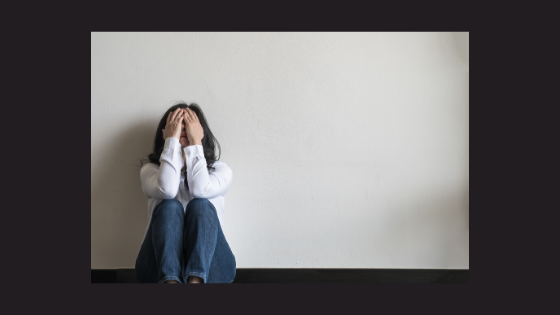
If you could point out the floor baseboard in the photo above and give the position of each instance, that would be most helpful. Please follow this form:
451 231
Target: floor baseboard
312 275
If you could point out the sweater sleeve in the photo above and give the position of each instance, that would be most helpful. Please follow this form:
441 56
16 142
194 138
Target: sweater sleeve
163 183
201 183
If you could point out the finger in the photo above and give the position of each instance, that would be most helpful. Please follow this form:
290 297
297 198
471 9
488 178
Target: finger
195 117
170 118
175 113
179 115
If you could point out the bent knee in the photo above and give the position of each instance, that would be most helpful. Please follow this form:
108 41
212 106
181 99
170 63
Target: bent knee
170 205
200 206
198 201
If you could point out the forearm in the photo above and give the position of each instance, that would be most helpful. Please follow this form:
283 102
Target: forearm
202 184
163 182
196 168
196 142
168 179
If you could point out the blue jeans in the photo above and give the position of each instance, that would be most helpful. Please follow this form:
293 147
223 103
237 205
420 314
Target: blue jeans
181 243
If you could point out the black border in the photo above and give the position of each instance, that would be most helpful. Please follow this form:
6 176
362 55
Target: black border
60 76
312 275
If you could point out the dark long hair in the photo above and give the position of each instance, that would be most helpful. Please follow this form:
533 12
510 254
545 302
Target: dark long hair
207 142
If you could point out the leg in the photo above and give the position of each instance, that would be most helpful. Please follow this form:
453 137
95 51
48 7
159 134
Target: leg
161 255
203 242
223 266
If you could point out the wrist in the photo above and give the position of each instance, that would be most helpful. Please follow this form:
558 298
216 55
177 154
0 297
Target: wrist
170 143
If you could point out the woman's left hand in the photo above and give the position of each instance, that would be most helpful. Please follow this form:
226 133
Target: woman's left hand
195 132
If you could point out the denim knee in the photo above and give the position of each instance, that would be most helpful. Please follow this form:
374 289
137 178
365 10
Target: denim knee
170 206
200 206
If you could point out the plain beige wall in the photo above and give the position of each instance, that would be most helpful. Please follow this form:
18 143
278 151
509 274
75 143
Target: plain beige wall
348 150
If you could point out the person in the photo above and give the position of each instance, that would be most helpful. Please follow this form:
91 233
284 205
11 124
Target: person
185 185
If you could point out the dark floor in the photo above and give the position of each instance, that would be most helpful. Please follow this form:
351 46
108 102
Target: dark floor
292 275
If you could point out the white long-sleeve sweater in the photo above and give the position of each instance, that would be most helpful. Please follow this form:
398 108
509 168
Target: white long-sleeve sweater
166 181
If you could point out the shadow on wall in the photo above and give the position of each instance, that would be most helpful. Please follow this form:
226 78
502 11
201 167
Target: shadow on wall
436 232
455 48
118 206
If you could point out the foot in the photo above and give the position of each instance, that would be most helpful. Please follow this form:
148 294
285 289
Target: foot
195 279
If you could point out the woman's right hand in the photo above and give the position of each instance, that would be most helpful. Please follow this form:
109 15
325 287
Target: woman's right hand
174 124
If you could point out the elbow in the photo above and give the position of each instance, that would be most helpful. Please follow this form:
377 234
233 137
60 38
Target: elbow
200 192
165 193
167 189
211 190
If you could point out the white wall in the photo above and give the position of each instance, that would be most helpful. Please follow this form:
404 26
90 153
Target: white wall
348 150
